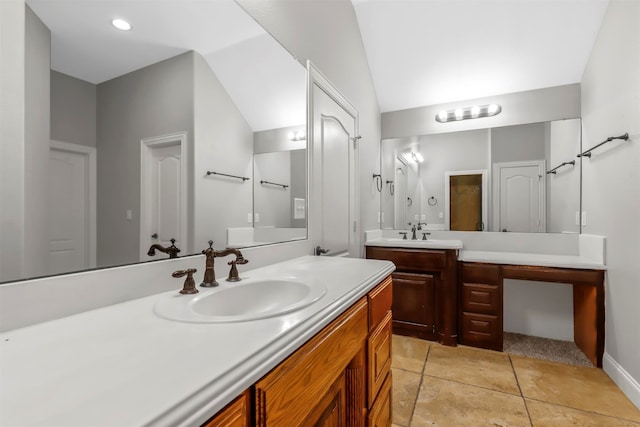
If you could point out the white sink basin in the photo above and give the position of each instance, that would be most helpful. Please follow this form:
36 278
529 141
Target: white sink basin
240 302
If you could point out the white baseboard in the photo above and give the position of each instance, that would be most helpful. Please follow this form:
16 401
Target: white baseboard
629 386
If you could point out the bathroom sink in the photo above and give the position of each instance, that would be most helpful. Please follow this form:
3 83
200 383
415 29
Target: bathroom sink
240 302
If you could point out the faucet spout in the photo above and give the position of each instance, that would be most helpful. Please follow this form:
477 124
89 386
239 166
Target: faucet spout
211 254
171 250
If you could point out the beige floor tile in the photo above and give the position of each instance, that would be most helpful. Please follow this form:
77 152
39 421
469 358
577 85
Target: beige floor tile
589 389
549 415
409 353
405 389
482 368
448 403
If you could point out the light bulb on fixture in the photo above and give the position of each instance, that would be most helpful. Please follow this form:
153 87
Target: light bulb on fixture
417 157
298 135
474 112
121 24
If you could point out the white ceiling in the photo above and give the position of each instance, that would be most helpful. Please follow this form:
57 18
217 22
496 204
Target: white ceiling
427 52
264 80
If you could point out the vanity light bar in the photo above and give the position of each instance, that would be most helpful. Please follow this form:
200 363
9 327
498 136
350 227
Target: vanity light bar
474 112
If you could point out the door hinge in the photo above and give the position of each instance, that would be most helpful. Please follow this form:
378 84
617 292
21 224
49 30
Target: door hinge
355 139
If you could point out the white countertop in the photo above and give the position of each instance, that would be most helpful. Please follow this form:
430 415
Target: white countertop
124 366
415 244
519 258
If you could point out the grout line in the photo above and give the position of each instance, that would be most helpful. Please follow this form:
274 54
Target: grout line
415 401
526 407
473 385
583 410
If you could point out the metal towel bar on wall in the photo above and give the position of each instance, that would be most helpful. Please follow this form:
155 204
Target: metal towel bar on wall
587 153
243 178
553 171
274 183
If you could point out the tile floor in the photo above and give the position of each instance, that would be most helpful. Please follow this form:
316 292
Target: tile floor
434 385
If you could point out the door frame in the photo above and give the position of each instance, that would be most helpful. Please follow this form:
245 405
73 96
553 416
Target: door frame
497 167
485 195
90 154
147 145
316 78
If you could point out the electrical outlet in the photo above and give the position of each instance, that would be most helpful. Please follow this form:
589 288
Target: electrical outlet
416 217
249 218
441 215
379 215
584 218
129 214
423 217
577 217
256 217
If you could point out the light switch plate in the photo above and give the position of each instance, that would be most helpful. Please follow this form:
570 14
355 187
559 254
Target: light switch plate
249 218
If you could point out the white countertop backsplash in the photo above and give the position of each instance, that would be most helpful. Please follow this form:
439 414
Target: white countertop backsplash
123 365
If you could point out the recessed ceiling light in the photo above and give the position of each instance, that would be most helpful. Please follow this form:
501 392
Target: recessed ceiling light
121 24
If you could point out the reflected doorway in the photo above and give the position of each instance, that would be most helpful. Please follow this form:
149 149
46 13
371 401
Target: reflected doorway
466 200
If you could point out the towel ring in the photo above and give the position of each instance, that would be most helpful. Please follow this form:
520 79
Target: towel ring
432 201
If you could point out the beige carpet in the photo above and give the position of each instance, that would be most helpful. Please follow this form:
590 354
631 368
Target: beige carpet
545 349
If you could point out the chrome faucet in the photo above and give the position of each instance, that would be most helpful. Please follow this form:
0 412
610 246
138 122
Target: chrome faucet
171 250
211 254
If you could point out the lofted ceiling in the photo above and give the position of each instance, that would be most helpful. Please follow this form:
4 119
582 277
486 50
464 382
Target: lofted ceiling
427 52
266 83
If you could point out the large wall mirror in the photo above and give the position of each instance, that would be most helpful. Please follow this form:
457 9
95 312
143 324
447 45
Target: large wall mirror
521 178
162 132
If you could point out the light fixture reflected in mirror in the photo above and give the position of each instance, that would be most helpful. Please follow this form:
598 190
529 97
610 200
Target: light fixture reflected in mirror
298 135
413 157
474 112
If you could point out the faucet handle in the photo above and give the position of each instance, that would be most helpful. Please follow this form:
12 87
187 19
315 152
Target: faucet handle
424 235
210 242
189 286
404 235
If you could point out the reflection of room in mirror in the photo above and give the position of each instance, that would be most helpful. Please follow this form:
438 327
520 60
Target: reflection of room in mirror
552 208
188 73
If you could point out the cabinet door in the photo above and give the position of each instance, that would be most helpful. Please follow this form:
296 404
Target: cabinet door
379 349
236 414
330 410
413 304
380 414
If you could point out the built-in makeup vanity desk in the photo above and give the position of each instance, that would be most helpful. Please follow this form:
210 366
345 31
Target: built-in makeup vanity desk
460 291
480 287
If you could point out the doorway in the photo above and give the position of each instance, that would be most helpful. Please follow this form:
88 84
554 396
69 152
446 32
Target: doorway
466 200
163 192
519 202
71 207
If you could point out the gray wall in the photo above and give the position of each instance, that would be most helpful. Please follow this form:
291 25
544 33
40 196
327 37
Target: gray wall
534 106
518 143
298 184
37 145
153 101
223 143
12 129
73 110
611 179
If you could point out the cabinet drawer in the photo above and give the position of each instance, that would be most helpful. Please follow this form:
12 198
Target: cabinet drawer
380 302
479 298
481 273
379 357
234 414
410 259
380 414
481 330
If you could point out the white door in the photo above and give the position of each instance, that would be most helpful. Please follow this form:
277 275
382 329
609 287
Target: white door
521 195
71 208
334 169
163 195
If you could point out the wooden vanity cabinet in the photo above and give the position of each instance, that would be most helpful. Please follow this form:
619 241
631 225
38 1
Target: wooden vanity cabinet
424 292
340 377
480 313
235 414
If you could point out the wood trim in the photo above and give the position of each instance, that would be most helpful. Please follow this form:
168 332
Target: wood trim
447 301
292 389
356 386
380 300
235 414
